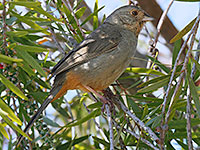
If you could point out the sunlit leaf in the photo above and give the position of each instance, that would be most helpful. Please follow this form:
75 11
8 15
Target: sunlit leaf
31 48
11 114
26 3
183 32
17 33
11 124
144 70
80 12
3 131
6 59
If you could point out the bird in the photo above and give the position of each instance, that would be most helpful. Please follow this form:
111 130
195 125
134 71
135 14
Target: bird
99 59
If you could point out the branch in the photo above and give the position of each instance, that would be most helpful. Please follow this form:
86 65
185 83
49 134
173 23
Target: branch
67 4
60 49
109 118
161 21
136 136
188 109
4 46
135 119
192 32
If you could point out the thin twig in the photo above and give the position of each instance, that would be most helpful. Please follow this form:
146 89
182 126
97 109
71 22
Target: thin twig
97 125
72 12
161 21
60 49
181 76
136 136
183 69
162 136
72 117
109 118
4 27
188 111
135 119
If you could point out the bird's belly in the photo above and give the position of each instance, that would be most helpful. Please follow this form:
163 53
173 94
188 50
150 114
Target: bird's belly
103 70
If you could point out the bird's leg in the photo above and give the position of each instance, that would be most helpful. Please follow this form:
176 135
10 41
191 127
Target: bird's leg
103 99
108 95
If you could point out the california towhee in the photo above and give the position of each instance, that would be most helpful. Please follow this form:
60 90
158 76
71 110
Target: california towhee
99 59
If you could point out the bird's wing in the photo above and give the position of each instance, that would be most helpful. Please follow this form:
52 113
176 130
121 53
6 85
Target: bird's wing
98 42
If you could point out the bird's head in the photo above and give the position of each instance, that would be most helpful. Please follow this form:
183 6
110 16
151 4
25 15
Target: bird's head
129 17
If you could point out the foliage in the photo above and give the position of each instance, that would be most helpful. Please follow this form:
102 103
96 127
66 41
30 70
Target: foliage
29 33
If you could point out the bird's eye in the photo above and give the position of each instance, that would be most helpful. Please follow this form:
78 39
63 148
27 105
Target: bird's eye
134 13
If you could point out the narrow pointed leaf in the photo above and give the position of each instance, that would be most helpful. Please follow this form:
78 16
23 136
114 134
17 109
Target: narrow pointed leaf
154 86
12 87
3 131
11 124
11 114
28 48
6 59
30 60
93 114
144 70
194 94
183 32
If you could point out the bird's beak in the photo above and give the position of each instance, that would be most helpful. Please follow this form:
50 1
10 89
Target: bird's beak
147 18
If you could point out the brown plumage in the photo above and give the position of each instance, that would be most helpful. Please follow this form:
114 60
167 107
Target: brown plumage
99 59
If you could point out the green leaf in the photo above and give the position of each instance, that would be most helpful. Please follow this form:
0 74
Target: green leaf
80 12
11 114
177 46
197 65
34 49
98 140
181 124
50 122
93 114
30 60
143 70
10 123
26 4
3 131
154 80
95 105
27 69
154 86
148 99
163 67
12 87
95 16
183 32
91 15
17 33
157 121
40 10
30 23
134 106
72 142
194 94
6 59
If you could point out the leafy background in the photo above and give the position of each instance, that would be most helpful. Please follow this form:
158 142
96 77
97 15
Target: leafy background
35 35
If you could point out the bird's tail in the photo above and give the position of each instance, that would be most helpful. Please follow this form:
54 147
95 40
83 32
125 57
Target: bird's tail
35 117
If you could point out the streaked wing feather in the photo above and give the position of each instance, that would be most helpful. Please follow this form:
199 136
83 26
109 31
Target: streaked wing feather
97 43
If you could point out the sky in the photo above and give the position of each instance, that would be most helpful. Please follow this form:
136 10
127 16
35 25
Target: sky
178 11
